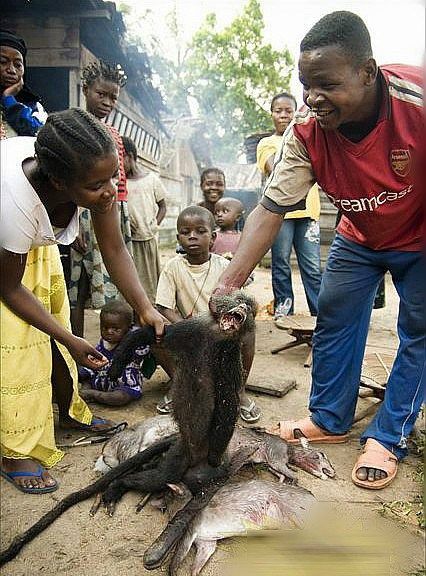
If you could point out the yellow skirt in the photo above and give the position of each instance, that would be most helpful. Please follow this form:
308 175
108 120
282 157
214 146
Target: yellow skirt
26 366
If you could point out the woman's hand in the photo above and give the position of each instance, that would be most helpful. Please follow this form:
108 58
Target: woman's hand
85 354
153 318
14 89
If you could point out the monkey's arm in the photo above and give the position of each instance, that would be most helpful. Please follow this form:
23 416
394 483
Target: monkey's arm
171 315
125 350
228 377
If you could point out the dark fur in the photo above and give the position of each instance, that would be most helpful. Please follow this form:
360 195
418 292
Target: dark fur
208 377
135 463
206 384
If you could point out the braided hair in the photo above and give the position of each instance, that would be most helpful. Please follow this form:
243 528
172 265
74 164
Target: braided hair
69 143
101 69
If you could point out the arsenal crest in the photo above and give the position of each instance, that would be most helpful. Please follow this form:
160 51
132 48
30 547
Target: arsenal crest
400 162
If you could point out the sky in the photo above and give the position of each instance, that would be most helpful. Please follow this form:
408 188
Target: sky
397 27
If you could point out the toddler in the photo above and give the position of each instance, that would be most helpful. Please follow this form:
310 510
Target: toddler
116 320
227 212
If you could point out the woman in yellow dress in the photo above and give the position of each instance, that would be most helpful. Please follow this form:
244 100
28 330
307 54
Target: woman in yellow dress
72 162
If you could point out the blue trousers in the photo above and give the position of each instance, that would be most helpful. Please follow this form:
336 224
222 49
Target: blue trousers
346 298
303 234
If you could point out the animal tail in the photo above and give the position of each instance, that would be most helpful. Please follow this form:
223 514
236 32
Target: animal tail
141 458
125 350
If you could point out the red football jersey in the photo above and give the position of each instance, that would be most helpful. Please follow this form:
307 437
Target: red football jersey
372 181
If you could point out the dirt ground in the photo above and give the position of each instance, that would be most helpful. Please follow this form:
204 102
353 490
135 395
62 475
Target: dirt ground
78 545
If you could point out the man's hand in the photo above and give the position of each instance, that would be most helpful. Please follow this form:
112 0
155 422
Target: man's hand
85 354
14 89
153 318
220 290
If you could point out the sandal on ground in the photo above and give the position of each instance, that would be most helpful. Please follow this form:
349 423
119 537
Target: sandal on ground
10 477
293 430
250 413
378 457
165 406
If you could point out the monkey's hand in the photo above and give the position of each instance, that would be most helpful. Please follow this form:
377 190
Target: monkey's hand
112 495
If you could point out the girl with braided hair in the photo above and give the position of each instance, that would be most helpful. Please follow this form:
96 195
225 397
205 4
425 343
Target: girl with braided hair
75 164
90 285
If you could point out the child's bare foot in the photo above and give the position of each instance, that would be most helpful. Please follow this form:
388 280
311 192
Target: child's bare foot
27 475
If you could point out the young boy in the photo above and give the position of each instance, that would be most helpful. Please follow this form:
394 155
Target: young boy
186 284
227 212
116 320
212 184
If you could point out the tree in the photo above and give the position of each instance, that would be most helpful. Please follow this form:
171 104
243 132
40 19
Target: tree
233 75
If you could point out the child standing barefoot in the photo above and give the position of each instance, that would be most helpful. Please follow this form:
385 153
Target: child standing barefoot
115 322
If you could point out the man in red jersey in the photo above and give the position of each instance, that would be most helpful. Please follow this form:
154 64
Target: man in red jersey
358 139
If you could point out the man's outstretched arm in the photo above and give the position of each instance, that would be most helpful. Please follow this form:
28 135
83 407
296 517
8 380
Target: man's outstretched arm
258 235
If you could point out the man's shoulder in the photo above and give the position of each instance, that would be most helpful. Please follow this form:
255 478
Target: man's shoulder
403 71
404 83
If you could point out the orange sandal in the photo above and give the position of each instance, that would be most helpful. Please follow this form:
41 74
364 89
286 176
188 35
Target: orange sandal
306 429
375 456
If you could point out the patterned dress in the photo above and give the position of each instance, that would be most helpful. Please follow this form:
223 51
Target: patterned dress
102 289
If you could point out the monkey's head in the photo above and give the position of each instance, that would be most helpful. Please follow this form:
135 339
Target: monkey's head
235 313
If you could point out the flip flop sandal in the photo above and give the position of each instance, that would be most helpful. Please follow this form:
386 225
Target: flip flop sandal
375 456
305 428
91 428
246 413
165 406
10 477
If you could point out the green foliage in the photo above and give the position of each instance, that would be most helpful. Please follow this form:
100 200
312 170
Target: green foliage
233 75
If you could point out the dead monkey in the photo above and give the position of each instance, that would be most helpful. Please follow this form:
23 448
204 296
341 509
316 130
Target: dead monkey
207 354
208 377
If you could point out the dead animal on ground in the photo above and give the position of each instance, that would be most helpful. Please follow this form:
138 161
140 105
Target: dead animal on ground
206 385
271 450
235 509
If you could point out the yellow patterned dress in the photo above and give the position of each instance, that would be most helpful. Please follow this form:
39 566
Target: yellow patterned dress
26 366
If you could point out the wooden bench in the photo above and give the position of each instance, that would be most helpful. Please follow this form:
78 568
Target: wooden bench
375 373
302 329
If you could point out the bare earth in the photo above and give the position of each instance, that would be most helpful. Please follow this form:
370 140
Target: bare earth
78 545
